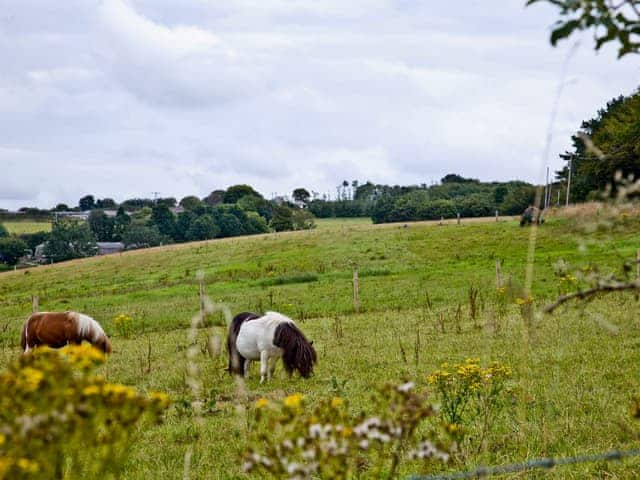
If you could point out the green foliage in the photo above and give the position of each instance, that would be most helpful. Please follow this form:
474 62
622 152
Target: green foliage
617 22
164 220
236 192
301 196
70 239
3 231
87 203
34 239
101 226
282 218
142 236
202 228
291 441
605 144
120 224
303 220
214 198
190 202
467 391
60 420
11 249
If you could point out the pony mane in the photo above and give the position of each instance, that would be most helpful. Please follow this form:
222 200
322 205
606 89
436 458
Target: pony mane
236 361
89 329
298 354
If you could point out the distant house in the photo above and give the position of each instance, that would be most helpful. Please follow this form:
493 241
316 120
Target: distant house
176 210
105 248
79 215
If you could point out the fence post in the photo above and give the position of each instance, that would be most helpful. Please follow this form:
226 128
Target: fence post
498 274
441 220
638 265
35 306
458 218
497 215
356 293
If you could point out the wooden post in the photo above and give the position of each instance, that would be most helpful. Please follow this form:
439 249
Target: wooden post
34 304
441 220
458 218
356 293
498 275
497 215
638 265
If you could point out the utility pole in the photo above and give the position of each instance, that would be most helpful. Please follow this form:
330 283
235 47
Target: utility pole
155 196
546 190
569 179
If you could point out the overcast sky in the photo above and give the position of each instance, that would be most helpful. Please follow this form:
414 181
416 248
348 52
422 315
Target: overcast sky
122 98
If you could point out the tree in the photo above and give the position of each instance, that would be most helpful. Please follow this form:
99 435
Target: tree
236 192
455 178
303 220
11 250
87 203
164 220
70 239
190 202
610 21
101 225
282 218
141 236
108 203
120 224
230 225
301 196
214 198
3 231
202 228
61 207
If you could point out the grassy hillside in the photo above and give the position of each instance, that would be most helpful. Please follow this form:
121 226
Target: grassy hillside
575 371
19 227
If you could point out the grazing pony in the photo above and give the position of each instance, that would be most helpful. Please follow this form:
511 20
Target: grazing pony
57 329
266 338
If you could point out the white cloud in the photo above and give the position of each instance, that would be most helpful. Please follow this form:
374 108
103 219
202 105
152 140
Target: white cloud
122 98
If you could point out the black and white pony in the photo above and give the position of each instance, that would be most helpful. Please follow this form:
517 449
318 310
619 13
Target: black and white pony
266 338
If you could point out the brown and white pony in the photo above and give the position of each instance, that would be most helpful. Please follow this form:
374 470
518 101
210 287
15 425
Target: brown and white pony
266 338
57 329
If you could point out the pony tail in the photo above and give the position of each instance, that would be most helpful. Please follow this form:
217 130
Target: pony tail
23 334
236 361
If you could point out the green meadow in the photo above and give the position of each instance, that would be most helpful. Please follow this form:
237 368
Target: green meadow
575 372
19 227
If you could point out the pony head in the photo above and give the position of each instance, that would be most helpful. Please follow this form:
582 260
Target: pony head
299 353
104 344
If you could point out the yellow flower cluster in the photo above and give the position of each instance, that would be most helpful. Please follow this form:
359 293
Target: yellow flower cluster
293 401
121 319
525 301
79 404
501 290
85 355
568 278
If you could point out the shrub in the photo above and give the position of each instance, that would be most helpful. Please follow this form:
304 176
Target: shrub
60 420
290 439
124 325
468 391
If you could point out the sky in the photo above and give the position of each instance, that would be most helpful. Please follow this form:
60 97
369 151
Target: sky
124 98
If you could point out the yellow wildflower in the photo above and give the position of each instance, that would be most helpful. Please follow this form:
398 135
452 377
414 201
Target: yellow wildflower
262 402
347 432
294 400
336 402
2 439
27 465
31 378
91 390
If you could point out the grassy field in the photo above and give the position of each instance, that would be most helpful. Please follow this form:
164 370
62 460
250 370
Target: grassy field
19 227
575 371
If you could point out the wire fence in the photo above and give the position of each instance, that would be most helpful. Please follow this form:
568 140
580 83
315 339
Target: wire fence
540 463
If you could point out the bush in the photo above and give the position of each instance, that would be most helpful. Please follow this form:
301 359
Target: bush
141 236
303 220
11 250
293 440
60 420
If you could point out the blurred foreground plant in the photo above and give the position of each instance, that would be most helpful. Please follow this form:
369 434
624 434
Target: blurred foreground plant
292 440
58 419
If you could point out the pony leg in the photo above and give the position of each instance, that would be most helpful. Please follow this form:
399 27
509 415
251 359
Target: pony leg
272 367
264 365
247 362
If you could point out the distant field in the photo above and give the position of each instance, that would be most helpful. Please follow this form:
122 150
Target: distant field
575 372
27 227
